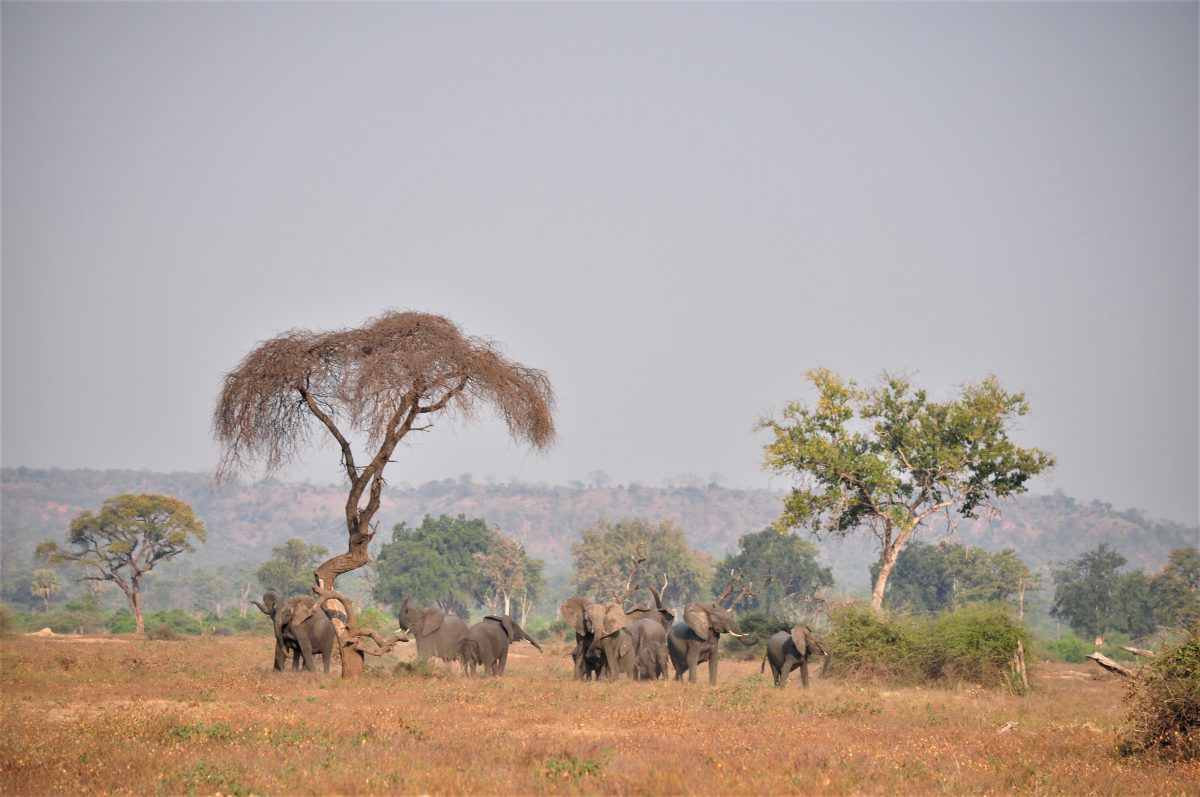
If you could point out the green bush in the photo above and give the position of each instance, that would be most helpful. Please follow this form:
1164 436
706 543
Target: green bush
1070 649
758 625
975 644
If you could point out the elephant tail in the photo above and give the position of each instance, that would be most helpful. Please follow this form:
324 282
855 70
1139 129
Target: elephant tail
762 667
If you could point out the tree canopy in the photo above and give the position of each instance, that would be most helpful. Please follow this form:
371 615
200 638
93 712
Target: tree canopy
783 569
381 381
126 539
887 458
934 578
290 569
605 553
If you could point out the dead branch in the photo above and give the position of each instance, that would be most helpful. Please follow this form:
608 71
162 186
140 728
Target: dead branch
638 559
734 589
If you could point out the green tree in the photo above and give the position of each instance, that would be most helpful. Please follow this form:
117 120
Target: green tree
290 568
125 540
1176 589
887 459
1085 591
510 575
935 578
605 553
435 563
782 568
44 584
1134 609
383 380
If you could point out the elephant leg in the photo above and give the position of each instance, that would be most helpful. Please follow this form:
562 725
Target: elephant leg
712 669
502 663
804 671
693 662
776 674
307 652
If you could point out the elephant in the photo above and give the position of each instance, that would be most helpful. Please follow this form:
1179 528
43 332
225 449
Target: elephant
787 651
300 630
486 644
649 645
697 639
438 634
575 611
607 622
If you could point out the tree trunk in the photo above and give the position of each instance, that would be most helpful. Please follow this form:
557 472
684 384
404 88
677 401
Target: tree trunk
135 603
886 563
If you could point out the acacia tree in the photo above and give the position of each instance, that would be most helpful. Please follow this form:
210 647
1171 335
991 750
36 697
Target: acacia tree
887 458
129 536
382 381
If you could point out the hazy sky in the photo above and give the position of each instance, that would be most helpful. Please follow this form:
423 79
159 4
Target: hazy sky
674 209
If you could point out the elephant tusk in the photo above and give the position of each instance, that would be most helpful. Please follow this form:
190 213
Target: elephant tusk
735 633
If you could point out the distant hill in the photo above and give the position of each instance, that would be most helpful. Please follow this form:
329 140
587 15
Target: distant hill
245 520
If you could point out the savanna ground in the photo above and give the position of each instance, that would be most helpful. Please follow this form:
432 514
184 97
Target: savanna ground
208 716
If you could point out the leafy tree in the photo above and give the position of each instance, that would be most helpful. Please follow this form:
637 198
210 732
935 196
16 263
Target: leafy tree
1176 590
130 535
44 584
1085 591
935 578
887 458
291 566
1134 610
605 553
381 380
510 575
782 568
435 563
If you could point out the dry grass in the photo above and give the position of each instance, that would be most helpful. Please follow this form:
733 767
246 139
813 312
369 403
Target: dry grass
208 716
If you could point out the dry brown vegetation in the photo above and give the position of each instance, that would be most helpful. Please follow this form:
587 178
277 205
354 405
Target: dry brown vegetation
127 716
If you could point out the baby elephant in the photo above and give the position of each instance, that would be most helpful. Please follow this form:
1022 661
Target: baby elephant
787 651
486 644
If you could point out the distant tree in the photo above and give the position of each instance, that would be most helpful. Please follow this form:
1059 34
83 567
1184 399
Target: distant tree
436 563
782 568
903 460
1134 610
605 551
381 380
510 575
1085 591
1176 589
290 568
44 584
125 540
934 578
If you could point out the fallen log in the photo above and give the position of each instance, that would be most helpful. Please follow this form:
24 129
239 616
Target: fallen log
1109 664
1138 651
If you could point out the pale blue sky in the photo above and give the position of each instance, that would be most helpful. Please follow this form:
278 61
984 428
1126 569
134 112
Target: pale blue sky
674 209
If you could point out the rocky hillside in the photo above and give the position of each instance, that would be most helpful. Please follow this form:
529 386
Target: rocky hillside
245 520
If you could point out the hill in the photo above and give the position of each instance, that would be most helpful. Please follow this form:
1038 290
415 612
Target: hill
246 520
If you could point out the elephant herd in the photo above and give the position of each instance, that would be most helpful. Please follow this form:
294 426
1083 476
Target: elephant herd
609 639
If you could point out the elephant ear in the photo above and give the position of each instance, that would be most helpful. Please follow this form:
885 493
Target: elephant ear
696 617
573 611
614 619
816 643
800 637
511 628
431 620
301 610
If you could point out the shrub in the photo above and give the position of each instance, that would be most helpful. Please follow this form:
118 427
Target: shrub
163 633
1164 705
1070 649
8 622
975 643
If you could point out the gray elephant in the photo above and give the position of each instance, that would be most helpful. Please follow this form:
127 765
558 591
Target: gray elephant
486 644
607 623
649 649
299 629
787 651
438 634
586 655
697 639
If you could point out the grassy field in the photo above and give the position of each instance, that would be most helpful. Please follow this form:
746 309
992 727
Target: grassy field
208 716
